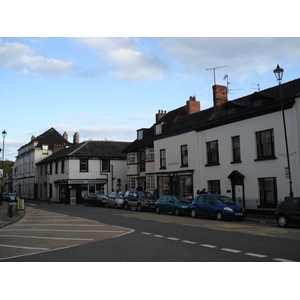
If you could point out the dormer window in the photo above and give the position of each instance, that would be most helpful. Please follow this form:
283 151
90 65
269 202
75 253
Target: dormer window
158 129
140 134
45 149
257 102
230 110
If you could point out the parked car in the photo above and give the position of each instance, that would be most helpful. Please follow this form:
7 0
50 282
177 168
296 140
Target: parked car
288 212
174 204
139 199
217 206
115 200
95 199
11 197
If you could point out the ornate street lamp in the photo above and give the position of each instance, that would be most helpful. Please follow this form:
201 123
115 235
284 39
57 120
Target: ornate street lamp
279 74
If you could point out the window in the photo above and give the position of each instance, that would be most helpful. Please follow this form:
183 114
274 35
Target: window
150 184
265 144
150 154
184 156
45 149
56 167
143 161
163 159
158 129
214 186
140 134
62 166
131 182
131 158
212 153
268 191
84 165
105 165
236 150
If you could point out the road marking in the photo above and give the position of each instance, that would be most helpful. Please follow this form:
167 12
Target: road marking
146 233
208 246
63 230
283 260
173 239
81 225
23 247
230 250
189 242
159 236
47 238
256 255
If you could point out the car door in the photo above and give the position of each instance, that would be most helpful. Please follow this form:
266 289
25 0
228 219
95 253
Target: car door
199 203
162 204
293 210
209 206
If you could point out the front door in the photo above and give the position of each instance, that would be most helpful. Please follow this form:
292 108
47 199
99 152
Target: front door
238 189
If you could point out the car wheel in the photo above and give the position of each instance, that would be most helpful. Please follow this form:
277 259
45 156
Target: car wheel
139 207
282 221
193 213
157 210
106 205
86 204
126 206
98 204
219 216
176 212
116 205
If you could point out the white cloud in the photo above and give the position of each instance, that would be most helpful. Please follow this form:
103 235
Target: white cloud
22 60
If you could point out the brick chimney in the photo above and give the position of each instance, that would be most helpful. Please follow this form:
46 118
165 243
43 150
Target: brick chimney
76 138
159 115
57 147
65 136
192 106
219 95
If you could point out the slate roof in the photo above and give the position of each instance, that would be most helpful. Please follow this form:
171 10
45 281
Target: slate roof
89 149
50 137
178 122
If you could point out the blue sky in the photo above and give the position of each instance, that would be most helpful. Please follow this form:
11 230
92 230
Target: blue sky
107 88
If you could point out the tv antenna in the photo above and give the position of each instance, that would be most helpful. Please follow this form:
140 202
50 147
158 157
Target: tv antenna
214 69
258 88
226 77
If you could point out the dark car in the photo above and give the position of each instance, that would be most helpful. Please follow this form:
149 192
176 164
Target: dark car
217 206
174 204
139 199
288 212
93 199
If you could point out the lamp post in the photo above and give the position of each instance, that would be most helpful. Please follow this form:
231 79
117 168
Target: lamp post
279 74
4 133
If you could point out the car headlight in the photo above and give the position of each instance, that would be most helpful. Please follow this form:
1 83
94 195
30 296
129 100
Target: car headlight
228 208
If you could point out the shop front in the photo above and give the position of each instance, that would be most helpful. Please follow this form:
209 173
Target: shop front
180 184
73 191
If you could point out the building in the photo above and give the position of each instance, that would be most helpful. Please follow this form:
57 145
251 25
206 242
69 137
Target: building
91 167
236 148
24 177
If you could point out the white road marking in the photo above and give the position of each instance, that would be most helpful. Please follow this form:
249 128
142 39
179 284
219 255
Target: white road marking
189 242
256 255
47 238
230 250
146 233
283 260
173 239
23 247
208 246
159 236
61 230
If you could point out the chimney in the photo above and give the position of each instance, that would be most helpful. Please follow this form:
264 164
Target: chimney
65 136
76 138
57 147
32 137
219 95
159 115
192 106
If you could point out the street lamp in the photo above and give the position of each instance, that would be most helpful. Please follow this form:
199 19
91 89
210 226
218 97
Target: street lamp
279 74
4 133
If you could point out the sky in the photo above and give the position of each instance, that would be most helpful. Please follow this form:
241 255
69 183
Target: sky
105 86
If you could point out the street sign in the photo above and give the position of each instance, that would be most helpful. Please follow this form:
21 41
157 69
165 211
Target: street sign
1 173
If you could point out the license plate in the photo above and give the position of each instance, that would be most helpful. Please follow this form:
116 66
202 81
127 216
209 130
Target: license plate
239 214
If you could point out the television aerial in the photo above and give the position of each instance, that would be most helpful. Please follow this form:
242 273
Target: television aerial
214 70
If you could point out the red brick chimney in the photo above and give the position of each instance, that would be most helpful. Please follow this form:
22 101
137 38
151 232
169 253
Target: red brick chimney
192 106
219 95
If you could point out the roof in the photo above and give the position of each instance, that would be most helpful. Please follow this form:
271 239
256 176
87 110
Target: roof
89 149
51 137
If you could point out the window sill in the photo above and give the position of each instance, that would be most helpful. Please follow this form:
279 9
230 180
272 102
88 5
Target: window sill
265 158
211 165
184 166
236 162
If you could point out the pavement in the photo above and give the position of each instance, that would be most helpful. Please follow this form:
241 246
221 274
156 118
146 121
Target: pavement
5 219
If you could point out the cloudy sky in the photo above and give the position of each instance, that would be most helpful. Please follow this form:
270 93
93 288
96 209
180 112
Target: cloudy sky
107 88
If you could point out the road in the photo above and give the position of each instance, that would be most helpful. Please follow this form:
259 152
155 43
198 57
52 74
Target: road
64 233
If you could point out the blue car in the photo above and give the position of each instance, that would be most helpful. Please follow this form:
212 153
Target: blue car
174 204
217 206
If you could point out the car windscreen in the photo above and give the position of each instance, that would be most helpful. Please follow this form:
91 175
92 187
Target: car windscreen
224 200
182 199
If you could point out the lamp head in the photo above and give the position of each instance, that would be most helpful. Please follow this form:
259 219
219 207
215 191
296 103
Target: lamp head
278 73
4 133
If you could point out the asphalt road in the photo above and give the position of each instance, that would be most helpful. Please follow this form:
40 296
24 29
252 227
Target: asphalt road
64 233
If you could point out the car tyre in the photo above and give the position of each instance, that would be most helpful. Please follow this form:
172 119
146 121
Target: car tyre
282 221
219 216
116 205
157 210
86 204
139 207
176 212
126 206
193 213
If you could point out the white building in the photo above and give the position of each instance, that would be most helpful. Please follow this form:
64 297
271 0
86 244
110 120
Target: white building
91 167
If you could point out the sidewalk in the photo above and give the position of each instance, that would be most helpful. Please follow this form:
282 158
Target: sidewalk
252 216
5 219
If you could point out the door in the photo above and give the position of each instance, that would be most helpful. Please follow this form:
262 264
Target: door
72 196
238 189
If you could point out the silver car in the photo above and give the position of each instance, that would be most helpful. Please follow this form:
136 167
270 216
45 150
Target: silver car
115 200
